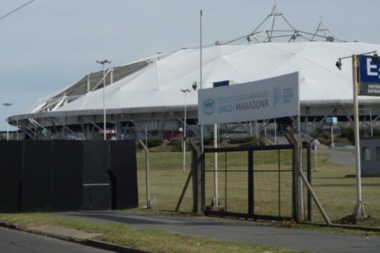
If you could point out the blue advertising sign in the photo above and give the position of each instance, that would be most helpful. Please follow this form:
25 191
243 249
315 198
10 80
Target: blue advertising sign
369 76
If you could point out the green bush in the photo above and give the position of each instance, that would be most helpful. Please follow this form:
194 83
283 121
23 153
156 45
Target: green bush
325 141
349 133
376 132
152 142
248 141
314 134
208 140
240 140
155 142
177 145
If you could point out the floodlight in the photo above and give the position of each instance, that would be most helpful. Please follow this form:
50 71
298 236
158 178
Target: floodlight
375 58
338 64
194 86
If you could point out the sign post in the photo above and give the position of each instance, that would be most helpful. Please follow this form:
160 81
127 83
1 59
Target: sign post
359 211
332 121
366 74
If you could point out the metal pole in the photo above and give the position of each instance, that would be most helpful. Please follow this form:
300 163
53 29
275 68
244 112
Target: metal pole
359 208
216 194
7 106
104 98
8 123
370 118
184 139
200 72
147 176
104 106
316 157
184 133
275 132
17 130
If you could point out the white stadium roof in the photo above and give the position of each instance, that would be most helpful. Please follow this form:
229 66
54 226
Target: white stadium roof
158 85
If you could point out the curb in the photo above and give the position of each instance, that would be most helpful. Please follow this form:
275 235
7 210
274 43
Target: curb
111 247
88 242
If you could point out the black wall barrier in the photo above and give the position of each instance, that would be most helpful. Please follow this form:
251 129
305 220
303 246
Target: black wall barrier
37 176
96 183
67 175
10 179
125 181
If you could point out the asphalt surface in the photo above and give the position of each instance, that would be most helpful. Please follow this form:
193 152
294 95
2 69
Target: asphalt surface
342 156
13 241
246 232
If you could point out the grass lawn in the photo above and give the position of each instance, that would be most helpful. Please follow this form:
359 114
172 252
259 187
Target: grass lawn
336 191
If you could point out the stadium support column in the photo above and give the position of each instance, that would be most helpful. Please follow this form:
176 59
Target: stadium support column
88 83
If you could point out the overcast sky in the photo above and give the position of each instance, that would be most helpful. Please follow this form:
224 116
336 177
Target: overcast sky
49 44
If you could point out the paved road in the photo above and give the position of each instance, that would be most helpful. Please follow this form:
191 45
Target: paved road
340 156
13 241
247 232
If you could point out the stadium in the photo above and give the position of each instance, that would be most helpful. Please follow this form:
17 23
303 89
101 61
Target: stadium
158 94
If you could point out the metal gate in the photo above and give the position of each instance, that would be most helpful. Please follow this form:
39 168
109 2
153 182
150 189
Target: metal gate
250 182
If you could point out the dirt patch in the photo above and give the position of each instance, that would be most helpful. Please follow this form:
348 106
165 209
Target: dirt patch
353 220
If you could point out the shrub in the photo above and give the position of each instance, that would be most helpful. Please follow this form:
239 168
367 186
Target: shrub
240 140
376 132
248 141
208 140
153 142
349 133
177 145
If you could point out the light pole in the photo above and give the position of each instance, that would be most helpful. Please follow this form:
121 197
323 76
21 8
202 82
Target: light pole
184 132
104 97
7 105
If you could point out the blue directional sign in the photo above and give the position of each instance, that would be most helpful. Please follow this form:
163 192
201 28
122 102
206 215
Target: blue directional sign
369 70
369 76
331 121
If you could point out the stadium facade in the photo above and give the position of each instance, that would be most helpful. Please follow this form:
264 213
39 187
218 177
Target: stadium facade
155 93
